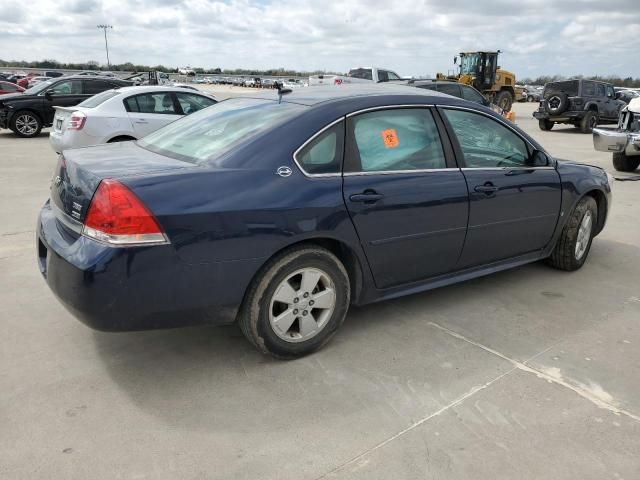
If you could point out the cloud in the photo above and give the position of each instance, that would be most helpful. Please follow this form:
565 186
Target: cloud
413 37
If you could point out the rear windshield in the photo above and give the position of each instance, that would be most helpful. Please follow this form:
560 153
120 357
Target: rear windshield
364 73
570 87
214 131
99 99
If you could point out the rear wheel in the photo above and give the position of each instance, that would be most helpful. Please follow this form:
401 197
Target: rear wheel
504 100
296 303
26 124
574 243
545 124
624 163
589 122
530 98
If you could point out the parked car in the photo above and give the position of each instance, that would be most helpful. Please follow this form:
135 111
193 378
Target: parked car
357 75
28 112
451 88
23 82
583 103
187 71
90 73
626 95
123 114
8 87
53 74
191 224
624 141
531 94
35 80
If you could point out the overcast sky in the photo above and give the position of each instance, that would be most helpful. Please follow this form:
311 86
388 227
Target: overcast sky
410 37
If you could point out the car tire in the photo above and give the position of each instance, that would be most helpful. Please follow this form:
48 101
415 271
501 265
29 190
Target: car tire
545 125
504 100
589 122
556 103
530 99
572 248
26 124
624 163
278 292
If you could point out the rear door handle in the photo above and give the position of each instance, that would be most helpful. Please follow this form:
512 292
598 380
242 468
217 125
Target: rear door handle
368 196
139 120
488 188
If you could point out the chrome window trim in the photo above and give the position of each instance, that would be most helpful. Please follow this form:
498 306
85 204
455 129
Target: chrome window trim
391 172
465 169
309 140
389 107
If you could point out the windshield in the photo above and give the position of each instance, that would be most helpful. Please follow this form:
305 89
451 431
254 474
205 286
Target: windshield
38 87
469 64
214 131
99 99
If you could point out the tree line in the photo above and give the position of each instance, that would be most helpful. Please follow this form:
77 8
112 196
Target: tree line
130 67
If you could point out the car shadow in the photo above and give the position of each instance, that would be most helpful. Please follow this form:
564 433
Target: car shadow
212 379
10 136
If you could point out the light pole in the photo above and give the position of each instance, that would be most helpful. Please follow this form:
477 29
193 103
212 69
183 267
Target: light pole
106 45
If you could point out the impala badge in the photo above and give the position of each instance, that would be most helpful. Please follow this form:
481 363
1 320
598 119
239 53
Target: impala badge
284 171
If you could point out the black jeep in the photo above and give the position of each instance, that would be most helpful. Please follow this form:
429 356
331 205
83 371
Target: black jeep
583 103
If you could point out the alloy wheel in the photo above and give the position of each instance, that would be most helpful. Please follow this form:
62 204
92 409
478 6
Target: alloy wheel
26 124
302 305
584 235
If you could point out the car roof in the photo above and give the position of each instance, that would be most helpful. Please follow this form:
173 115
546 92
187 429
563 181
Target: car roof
331 93
153 88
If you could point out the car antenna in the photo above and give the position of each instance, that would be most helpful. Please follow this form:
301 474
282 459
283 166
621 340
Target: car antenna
282 91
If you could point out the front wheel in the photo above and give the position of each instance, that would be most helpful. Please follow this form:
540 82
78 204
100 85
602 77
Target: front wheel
589 122
297 302
26 124
545 125
624 163
573 246
504 100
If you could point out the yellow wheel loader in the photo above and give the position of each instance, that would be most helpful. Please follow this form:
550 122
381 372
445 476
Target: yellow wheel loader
481 70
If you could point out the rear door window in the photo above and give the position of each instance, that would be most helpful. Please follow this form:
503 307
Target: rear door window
364 73
600 90
450 89
588 89
99 99
91 87
160 103
395 140
191 102
472 95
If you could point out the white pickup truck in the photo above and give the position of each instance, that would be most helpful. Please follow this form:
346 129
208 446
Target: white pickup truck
356 75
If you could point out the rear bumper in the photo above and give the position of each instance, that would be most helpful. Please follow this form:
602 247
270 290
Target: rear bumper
64 140
616 141
564 117
141 288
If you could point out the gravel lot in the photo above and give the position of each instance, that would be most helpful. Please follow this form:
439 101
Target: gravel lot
528 374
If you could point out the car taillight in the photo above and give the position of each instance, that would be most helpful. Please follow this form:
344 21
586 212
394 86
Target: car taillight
337 81
116 216
77 121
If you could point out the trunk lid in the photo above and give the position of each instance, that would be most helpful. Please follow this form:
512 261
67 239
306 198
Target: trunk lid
80 171
61 117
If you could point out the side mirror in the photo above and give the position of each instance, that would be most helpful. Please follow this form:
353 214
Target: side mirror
539 159
49 93
455 60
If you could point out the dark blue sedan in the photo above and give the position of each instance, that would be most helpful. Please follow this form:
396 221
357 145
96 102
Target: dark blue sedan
280 211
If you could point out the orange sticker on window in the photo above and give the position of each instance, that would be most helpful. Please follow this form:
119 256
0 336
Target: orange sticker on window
390 138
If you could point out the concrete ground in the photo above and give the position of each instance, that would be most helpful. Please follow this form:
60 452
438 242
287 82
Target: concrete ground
528 374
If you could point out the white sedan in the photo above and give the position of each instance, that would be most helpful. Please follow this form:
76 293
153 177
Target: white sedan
127 113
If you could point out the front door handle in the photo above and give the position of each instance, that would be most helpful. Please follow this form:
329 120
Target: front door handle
368 196
488 188
519 171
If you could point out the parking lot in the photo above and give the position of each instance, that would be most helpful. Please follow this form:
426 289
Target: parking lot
527 374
